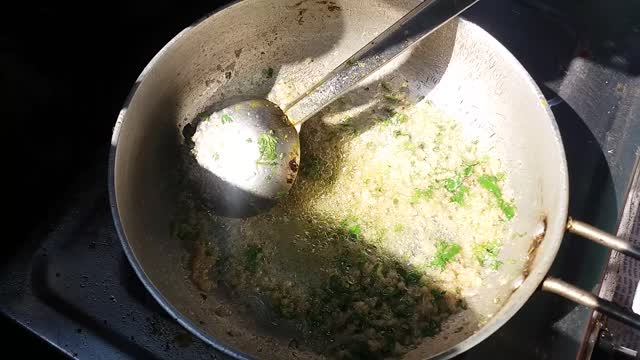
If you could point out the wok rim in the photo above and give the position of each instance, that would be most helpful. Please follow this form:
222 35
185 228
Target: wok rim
177 315
507 311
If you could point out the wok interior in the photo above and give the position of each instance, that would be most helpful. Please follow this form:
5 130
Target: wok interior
463 70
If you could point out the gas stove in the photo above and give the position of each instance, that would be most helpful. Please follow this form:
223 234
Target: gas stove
67 280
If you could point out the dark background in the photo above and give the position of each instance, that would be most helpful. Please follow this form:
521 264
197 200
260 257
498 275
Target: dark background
65 71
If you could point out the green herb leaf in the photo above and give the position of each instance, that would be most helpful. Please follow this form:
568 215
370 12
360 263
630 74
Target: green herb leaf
409 146
420 194
486 253
392 98
386 86
445 251
508 209
438 295
403 308
253 256
355 231
413 277
460 195
490 183
452 184
431 329
313 167
398 228
398 133
395 118
468 170
226 118
268 72
267 144
398 118
352 228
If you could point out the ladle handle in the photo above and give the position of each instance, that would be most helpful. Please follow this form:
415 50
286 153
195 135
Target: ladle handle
411 28
575 294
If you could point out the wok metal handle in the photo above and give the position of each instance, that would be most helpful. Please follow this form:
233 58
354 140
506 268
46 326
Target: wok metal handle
570 292
575 294
603 238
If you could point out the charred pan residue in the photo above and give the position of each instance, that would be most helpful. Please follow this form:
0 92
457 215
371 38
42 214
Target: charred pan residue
533 249
293 165
300 18
332 6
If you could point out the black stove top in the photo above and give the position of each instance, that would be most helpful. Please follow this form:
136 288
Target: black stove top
67 279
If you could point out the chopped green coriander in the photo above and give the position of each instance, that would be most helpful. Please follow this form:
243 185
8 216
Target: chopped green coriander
455 184
352 228
398 133
392 98
431 329
412 277
490 183
508 209
253 256
468 170
486 253
421 194
355 231
438 295
226 118
409 146
459 195
445 251
452 184
268 72
397 118
267 144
